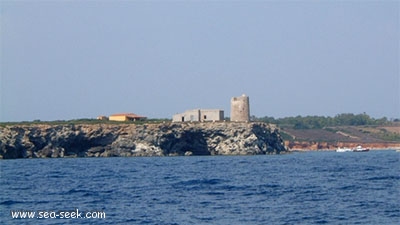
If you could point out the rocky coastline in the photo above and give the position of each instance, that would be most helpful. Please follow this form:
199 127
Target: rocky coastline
130 140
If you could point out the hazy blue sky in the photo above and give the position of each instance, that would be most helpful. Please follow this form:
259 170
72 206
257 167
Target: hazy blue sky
75 59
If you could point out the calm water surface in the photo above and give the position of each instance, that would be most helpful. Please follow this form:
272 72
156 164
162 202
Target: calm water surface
299 188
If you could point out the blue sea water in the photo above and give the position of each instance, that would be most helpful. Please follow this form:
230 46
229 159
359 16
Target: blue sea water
298 188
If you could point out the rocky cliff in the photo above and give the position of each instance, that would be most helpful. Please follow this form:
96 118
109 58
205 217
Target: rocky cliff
168 139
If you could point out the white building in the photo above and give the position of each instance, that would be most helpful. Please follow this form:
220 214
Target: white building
199 115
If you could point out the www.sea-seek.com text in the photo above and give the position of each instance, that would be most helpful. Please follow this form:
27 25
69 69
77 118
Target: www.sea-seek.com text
66 214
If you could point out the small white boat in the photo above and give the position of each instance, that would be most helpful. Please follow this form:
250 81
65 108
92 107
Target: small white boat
343 150
360 149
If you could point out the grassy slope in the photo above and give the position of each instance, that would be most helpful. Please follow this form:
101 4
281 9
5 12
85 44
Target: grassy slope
81 121
364 134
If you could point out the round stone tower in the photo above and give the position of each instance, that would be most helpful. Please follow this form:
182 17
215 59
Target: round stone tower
240 109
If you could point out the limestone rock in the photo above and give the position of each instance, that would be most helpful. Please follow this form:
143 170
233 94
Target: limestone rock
168 139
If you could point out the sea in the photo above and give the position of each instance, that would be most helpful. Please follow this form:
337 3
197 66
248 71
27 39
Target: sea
297 188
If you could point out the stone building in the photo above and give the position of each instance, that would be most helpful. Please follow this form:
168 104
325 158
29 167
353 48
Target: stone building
240 109
199 115
102 117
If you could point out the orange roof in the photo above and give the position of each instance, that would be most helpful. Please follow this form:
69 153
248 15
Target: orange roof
130 115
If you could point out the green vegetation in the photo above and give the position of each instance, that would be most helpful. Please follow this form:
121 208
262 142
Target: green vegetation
82 121
298 122
319 122
389 136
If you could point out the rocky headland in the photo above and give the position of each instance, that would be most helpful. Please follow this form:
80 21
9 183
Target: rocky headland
126 140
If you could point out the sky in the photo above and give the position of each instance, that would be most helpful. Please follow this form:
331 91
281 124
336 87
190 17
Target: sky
64 60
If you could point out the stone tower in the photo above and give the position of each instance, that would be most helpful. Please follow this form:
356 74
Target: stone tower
240 109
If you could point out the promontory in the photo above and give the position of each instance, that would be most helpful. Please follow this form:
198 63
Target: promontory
129 139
